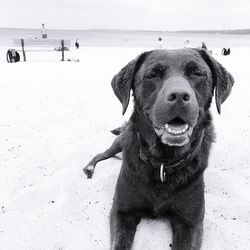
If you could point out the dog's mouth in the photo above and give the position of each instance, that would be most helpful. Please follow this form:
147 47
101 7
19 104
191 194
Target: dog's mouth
175 133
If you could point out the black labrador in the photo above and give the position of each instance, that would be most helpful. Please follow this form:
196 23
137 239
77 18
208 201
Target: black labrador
166 143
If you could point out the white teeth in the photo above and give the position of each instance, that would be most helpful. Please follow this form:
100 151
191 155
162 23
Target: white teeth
176 131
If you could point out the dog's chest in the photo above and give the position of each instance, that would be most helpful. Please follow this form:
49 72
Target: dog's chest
160 201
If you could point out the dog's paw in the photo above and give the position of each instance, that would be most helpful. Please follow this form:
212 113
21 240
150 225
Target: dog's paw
89 171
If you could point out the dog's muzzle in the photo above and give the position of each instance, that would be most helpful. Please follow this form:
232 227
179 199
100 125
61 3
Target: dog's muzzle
175 112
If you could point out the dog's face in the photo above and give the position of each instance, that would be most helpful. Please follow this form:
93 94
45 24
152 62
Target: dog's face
173 88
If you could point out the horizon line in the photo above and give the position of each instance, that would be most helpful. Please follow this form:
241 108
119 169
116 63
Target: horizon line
141 30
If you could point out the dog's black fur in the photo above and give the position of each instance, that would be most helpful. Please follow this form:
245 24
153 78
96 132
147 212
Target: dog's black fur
168 86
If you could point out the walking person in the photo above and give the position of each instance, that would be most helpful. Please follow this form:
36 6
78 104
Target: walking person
160 43
77 45
44 31
203 46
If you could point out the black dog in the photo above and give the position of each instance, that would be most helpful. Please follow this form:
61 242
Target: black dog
166 142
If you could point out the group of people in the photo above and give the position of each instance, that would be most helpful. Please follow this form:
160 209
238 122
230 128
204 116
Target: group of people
45 36
13 56
187 44
226 52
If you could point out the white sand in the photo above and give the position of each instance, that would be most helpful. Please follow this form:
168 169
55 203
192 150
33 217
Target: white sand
55 116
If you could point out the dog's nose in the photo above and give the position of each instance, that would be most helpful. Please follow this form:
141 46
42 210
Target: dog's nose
178 95
177 91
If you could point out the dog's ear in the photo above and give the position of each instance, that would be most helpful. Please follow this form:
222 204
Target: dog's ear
122 82
223 80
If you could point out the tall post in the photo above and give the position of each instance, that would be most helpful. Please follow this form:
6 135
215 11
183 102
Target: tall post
62 44
22 43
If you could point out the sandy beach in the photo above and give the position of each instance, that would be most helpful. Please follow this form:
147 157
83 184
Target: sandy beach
56 115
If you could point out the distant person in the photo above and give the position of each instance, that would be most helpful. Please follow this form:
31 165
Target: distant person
203 46
77 45
44 31
225 52
187 44
160 43
12 56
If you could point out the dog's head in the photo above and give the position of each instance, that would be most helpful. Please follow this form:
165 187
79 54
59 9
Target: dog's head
173 89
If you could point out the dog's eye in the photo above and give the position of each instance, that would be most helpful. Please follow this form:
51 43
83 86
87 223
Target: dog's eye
192 69
152 75
198 74
156 72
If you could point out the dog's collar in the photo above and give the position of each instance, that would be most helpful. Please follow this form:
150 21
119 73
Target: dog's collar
167 167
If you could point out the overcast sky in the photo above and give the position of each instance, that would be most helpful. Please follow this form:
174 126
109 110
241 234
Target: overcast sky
126 14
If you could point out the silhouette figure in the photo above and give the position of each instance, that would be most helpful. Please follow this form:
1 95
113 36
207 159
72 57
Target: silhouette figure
12 56
77 45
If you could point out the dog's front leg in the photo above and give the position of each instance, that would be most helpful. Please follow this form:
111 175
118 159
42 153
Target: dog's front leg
114 149
122 229
186 237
